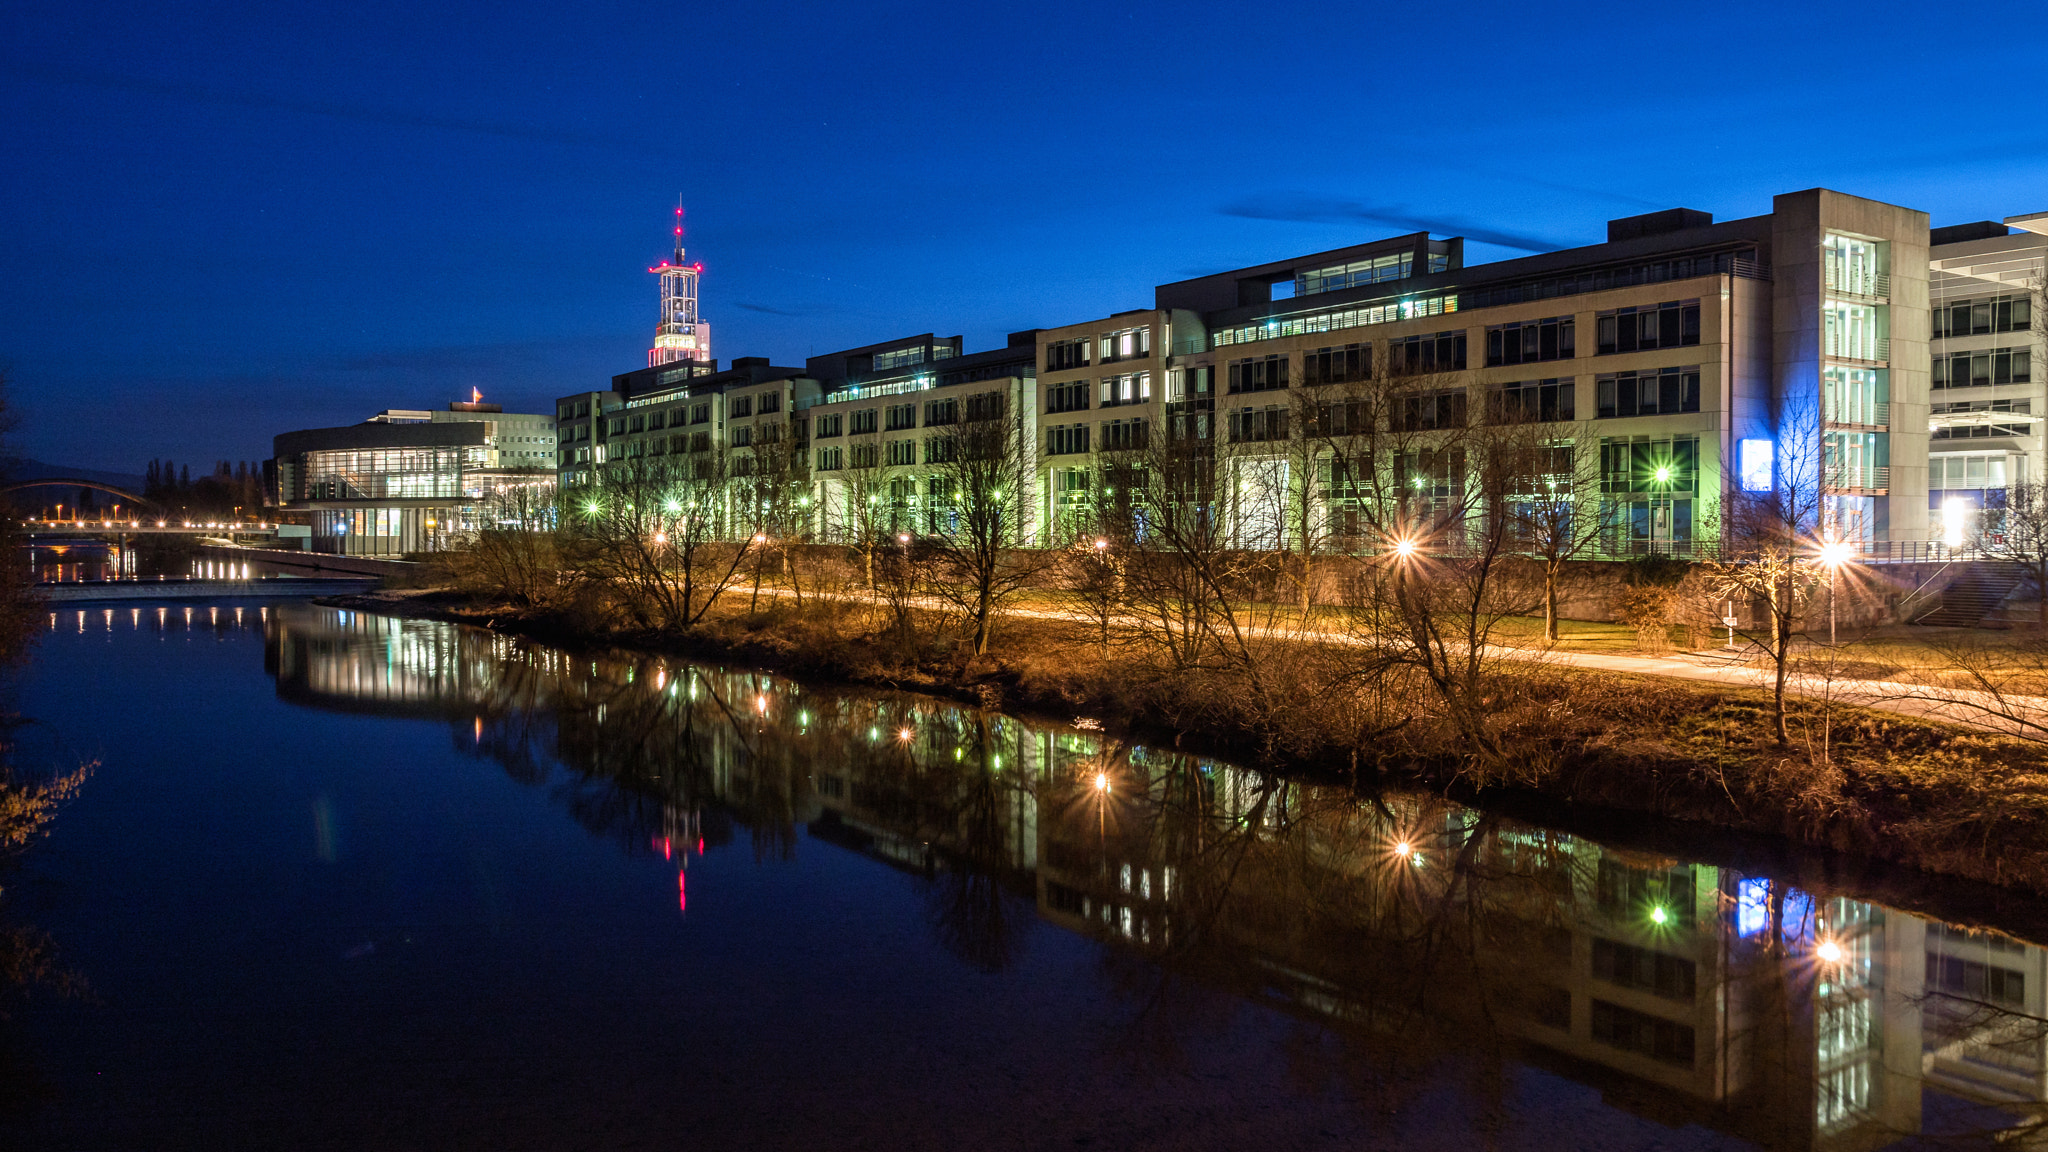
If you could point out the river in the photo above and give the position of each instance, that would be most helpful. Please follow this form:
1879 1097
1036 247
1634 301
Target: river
348 881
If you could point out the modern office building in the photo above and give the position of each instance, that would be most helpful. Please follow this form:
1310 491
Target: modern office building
411 480
1986 388
1680 361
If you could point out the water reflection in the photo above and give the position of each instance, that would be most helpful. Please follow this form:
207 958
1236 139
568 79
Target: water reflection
166 620
1437 943
85 561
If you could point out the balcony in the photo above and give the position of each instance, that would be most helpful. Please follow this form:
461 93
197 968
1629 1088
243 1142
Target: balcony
1862 350
1876 415
1867 478
1858 282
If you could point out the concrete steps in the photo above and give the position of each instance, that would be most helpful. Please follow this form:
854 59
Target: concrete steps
1973 595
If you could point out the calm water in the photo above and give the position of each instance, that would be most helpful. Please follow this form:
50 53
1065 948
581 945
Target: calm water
343 881
84 560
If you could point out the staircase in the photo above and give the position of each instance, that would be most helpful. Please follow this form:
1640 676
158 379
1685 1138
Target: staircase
1972 596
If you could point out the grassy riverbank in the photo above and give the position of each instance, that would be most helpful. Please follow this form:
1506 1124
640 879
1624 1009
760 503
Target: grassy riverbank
1942 799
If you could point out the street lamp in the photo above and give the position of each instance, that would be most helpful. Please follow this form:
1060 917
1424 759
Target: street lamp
1834 554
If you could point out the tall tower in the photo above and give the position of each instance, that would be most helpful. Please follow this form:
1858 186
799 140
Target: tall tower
680 335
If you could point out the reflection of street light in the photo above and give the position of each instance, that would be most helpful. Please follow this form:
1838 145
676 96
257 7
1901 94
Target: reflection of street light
1829 952
1101 544
1404 547
1101 782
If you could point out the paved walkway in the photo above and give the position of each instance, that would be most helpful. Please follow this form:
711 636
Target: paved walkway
2018 715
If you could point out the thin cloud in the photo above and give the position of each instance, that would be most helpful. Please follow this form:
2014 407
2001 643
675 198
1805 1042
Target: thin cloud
361 113
764 308
1305 208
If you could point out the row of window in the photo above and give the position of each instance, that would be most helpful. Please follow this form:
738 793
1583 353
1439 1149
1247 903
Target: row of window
2013 313
1988 366
1673 324
1530 341
1651 392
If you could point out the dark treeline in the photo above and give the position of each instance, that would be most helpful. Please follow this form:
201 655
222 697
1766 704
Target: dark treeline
233 488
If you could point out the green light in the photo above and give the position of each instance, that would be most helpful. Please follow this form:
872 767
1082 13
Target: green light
1663 475
1658 915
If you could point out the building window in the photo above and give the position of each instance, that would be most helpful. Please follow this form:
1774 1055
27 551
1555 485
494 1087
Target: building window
1372 270
1129 388
700 413
1643 1034
1854 331
1339 365
1123 435
828 426
1528 342
1982 367
864 420
1438 352
1258 374
831 459
1955 975
1128 344
1673 324
1425 411
899 358
1642 466
618 426
902 416
656 421
637 423
1648 393
1671 977
1066 439
768 402
742 436
1542 400
941 412
741 406
1980 317
866 455
984 406
1258 424
1066 354
1969 473
1071 397
902 452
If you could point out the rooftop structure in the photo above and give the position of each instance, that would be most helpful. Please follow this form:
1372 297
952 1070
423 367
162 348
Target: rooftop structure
680 334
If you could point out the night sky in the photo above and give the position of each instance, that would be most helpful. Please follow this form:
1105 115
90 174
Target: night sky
224 220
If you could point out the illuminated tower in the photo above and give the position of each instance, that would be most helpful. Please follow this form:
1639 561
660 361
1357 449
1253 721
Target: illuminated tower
680 335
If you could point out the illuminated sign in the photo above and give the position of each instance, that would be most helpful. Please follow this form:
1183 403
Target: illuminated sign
1753 465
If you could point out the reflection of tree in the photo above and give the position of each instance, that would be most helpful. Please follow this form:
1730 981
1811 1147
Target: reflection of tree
1416 943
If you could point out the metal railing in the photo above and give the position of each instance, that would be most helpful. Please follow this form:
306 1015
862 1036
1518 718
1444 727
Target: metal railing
1855 282
1868 478
1870 349
1880 415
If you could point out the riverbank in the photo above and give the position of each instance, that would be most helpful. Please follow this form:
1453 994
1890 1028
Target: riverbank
1928 796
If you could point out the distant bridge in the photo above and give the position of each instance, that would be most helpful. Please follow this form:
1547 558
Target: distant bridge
72 482
108 526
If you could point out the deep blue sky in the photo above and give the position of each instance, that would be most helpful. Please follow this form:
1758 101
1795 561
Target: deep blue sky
219 221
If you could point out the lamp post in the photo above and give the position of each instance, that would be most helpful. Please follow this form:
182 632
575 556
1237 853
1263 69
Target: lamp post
1834 554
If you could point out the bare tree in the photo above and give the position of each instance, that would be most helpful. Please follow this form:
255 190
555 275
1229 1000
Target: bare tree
667 536
1770 545
1551 498
980 490
513 547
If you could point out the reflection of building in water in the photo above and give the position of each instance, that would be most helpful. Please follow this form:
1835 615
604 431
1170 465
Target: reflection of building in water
1689 992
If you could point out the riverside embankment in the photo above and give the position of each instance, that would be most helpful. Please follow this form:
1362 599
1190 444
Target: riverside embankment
1935 797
